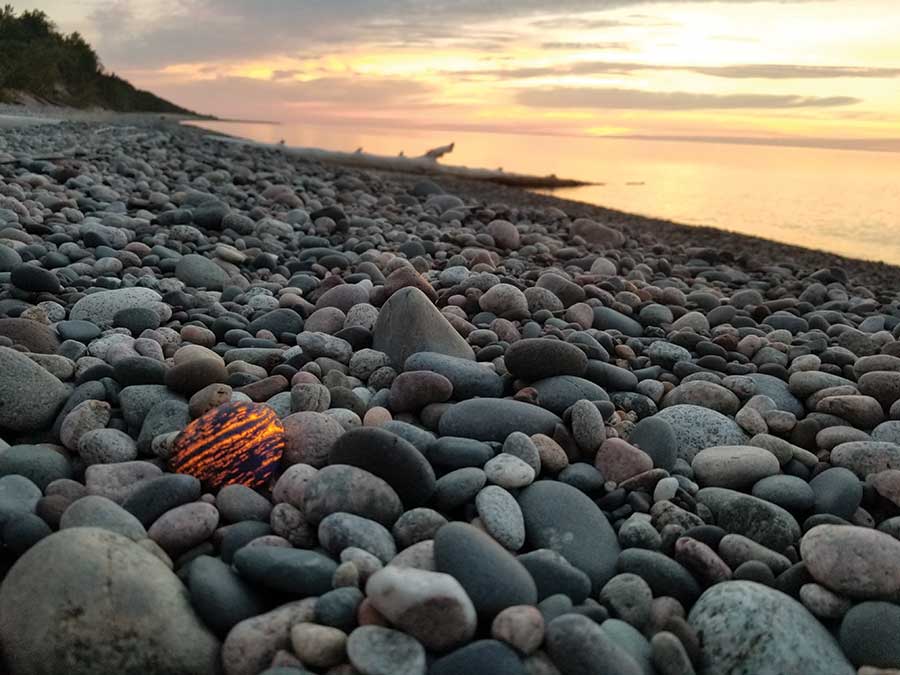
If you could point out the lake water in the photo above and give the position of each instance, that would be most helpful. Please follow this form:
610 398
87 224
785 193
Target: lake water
844 201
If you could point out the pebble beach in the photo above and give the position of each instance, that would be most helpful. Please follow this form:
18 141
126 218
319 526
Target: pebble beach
261 415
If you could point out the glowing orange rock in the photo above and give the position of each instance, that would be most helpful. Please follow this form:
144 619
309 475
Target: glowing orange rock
233 443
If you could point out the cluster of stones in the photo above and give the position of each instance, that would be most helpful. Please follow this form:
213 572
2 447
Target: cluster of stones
263 416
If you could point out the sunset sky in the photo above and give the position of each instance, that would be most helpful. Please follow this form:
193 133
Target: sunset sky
819 70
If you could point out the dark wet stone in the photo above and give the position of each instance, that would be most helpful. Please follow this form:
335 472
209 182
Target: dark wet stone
491 575
495 419
287 570
220 596
389 457
540 358
482 656
564 519
556 394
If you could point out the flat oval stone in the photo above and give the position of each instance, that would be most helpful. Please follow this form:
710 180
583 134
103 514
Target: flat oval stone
558 393
391 458
564 519
756 519
539 358
750 628
470 379
430 606
733 466
340 487
858 562
697 428
491 576
288 570
869 633
495 419
837 491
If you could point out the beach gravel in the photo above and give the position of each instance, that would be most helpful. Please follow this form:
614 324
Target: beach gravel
478 429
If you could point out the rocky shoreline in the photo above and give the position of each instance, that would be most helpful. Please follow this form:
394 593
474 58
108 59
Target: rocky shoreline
260 415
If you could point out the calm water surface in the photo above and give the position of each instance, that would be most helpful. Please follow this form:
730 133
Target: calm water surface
843 201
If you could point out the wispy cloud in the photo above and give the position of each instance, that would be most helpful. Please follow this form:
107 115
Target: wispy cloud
589 98
585 23
244 95
776 71
285 74
592 46
190 31
869 144
766 71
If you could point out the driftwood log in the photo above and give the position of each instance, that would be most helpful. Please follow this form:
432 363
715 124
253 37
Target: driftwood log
426 165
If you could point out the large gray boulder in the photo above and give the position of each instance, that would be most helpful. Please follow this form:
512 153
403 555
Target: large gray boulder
99 308
750 628
29 395
85 601
408 323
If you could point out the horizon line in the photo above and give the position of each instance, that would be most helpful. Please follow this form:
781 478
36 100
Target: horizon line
882 145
